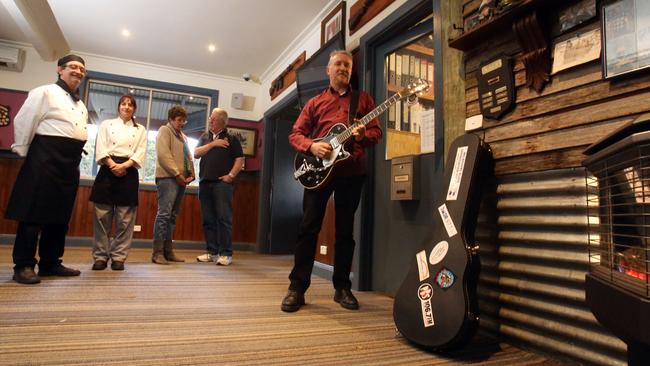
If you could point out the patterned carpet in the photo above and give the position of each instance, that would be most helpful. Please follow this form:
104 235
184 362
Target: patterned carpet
203 314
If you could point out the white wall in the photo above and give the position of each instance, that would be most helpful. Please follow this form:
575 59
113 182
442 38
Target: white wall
37 72
256 96
309 41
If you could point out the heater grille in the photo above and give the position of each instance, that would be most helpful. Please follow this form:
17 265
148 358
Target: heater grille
619 219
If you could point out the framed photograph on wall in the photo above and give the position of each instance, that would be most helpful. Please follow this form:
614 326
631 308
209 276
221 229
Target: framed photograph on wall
626 37
247 137
333 23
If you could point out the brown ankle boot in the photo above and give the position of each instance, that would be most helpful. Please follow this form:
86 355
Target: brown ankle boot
169 253
158 256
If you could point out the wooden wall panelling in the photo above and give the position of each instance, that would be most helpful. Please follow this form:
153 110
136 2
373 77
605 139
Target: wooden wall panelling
8 170
246 208
375 7
189 223
598 91
81 222
287 77
558 139
610 109
540 161
550 130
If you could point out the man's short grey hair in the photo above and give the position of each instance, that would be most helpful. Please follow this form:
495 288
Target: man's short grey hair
339 52
220 114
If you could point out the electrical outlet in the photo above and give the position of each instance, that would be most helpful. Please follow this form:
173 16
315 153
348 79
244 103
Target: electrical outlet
137 228
323 249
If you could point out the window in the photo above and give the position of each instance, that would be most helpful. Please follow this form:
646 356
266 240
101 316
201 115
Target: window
153 103
404 122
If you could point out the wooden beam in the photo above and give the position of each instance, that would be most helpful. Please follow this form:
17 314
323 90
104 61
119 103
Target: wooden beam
36 20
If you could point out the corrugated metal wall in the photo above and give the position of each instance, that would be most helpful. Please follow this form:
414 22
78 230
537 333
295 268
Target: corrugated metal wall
534 265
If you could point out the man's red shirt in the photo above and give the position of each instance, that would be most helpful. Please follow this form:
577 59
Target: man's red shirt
324 111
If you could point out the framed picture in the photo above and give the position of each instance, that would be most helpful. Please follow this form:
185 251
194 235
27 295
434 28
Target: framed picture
626 36
577 50
333 23
247 137
577 14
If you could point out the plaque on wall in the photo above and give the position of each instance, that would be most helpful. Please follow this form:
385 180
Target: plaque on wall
496 87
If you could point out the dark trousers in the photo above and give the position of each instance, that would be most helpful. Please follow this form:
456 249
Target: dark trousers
347 194
50 246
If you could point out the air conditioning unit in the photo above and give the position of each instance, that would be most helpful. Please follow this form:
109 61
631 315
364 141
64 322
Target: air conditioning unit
11 58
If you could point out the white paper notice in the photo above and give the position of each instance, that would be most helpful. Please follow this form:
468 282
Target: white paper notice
423 267
446 219
427 131
457 173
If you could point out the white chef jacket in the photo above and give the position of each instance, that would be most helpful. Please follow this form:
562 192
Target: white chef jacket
117 138
49 110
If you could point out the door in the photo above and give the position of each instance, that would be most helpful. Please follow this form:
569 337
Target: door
402 226
286 192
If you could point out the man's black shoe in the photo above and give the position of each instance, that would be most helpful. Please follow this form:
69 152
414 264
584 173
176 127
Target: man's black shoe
346 299
117 266
293 301
99 265
58 270
26 276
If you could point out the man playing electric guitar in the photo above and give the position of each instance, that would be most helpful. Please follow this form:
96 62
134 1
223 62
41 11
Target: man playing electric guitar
319 115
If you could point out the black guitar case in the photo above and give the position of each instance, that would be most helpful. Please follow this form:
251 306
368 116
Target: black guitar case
436 306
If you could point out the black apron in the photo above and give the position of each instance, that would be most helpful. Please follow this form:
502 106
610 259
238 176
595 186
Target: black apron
119 191
46 186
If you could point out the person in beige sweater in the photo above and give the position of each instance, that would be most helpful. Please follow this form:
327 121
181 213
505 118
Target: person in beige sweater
174 171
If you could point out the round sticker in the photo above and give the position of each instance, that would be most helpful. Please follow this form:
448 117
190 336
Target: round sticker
424 291
438 252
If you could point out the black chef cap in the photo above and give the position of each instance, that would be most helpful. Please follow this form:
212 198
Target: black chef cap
65 59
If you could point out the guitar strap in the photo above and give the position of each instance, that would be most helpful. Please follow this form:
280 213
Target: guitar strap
354 103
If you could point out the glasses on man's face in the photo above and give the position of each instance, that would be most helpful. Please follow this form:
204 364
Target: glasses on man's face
76 67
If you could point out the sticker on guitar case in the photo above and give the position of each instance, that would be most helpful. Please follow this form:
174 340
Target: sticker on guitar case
446 219
423 267
424 293
438 252
445 278
457 173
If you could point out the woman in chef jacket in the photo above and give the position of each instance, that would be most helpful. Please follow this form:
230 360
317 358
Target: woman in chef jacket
120 151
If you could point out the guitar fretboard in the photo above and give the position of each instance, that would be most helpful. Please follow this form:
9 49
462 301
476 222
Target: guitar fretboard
345 135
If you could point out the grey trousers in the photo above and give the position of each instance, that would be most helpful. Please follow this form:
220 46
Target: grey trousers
116 247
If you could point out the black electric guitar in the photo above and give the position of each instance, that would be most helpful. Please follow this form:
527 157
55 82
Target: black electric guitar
313 172
436 305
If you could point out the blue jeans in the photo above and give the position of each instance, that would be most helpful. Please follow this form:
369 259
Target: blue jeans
216 207
170 196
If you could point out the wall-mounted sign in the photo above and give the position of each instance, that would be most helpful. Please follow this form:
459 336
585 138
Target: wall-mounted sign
496 87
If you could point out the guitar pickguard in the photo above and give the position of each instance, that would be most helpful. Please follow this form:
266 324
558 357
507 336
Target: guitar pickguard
313 172
436 305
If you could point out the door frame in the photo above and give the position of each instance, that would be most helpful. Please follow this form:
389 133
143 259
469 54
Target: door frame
403 18
264 214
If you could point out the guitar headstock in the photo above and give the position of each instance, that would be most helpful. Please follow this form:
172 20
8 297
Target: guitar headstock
413 89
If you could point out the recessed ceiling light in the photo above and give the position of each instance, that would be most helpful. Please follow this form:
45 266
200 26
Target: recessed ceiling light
125 32
212 48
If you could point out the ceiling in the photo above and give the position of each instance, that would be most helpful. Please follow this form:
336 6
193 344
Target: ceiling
249 35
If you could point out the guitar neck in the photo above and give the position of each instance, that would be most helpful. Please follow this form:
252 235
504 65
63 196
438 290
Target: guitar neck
345 135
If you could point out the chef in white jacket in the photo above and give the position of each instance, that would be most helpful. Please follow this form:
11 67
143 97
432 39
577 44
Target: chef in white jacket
50 131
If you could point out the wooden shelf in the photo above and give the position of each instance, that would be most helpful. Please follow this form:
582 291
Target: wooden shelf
428 96
500 23
420 49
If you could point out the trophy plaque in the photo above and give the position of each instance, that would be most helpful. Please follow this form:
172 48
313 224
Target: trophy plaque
496 87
